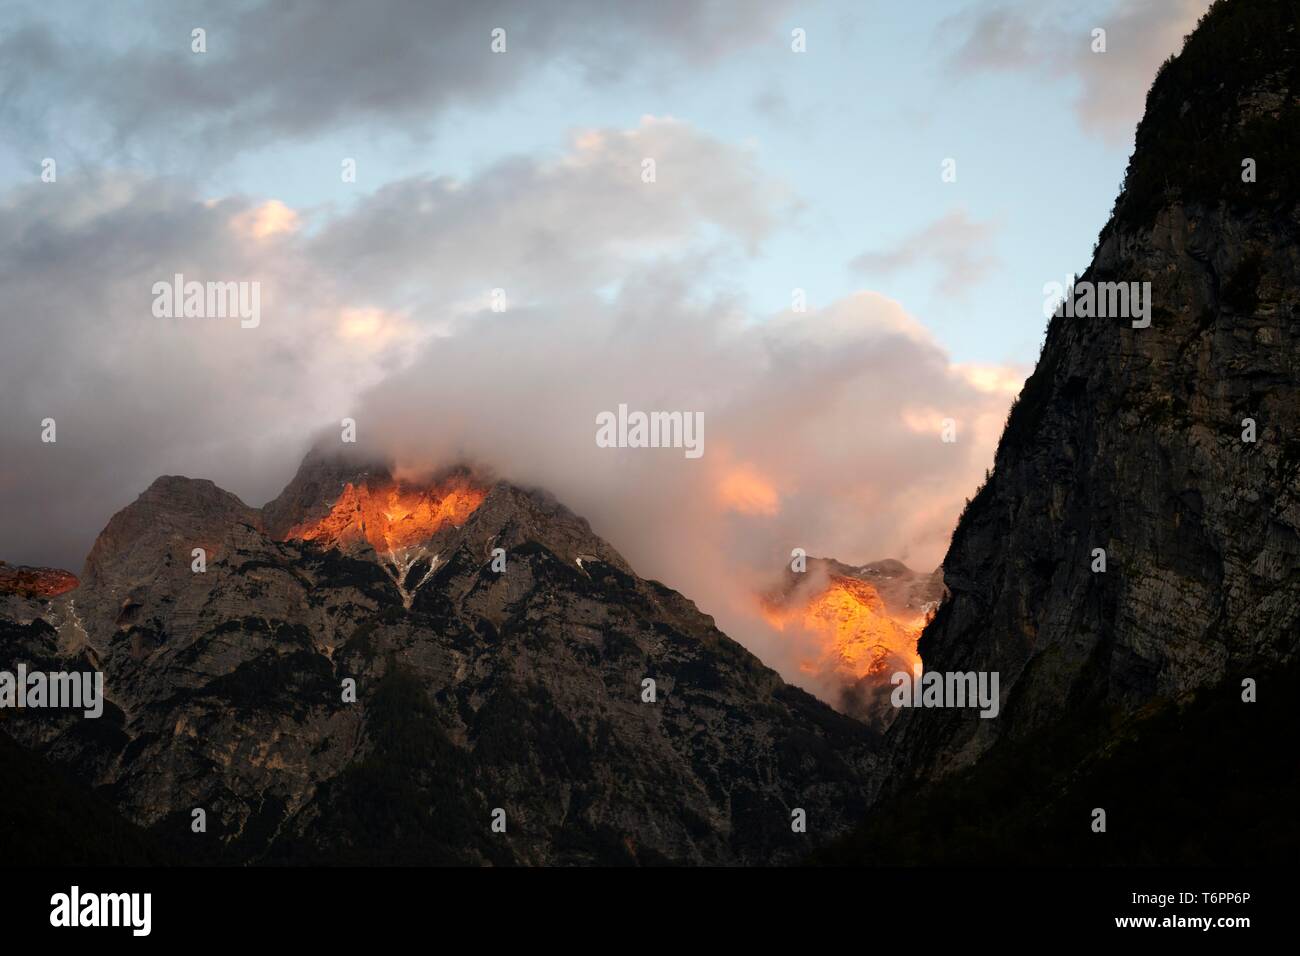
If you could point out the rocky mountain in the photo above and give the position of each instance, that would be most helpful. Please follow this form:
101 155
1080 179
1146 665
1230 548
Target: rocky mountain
865 620
500 653
30 582
1138 540
1130 570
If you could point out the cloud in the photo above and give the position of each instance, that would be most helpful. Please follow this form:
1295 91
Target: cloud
346 300
822 429
1054 40
537 226
276 70
954 244
134 396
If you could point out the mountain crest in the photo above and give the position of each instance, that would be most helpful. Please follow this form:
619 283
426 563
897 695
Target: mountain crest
520 685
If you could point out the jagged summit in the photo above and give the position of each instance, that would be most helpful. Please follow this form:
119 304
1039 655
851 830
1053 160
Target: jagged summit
362 509
480 684
318 483
862 622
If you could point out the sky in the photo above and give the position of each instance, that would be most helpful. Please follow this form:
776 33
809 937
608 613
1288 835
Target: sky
853 211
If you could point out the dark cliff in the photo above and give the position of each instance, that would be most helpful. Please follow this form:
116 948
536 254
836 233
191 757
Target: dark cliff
1138 441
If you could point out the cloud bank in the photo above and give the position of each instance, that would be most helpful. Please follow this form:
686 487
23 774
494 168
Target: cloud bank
275 71
822 428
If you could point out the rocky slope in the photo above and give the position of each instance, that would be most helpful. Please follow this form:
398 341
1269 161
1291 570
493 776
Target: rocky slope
476 688
1136 440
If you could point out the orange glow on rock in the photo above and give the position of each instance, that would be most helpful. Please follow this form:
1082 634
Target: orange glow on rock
35 582
857 634
392 517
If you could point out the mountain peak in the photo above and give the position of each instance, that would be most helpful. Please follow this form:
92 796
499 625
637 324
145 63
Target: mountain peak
171 517
522 682
317 485
860 625
390 516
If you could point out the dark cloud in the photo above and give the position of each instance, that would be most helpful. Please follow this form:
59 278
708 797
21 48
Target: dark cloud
274 70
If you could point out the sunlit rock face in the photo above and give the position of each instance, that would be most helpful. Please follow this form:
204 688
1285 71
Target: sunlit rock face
35 582
860 626
399 524
391 518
